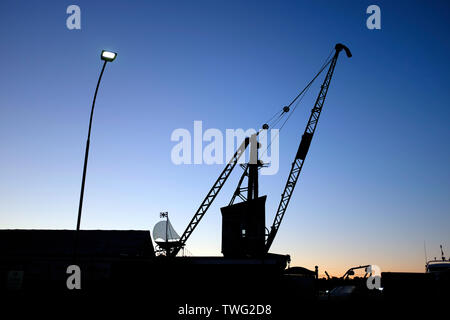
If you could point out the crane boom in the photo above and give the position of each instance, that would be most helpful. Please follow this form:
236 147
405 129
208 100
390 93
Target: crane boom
211 195
303 148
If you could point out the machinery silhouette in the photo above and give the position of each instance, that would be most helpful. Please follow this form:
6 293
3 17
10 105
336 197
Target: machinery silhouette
243 225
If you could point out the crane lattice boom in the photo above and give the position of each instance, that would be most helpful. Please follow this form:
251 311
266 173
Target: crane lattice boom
211 195
303 148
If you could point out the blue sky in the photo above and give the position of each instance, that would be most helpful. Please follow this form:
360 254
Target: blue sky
376 181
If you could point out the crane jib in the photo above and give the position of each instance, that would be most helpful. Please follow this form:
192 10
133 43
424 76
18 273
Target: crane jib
303 148
215 189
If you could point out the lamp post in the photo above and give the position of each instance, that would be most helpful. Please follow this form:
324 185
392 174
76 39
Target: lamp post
106 56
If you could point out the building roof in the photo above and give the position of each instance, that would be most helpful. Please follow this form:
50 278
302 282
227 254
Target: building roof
61 243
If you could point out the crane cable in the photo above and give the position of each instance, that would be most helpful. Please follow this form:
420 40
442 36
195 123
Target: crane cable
296 100
285 109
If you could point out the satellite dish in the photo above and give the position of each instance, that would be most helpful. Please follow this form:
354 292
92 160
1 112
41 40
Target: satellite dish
165 235
164 231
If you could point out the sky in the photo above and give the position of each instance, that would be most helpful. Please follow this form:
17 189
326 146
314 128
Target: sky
374 188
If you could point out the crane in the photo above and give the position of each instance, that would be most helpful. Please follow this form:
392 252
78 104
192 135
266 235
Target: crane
303 148
250 170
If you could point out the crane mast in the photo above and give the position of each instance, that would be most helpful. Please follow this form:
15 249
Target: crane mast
303 147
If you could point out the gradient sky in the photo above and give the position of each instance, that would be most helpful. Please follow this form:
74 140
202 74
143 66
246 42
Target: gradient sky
375 185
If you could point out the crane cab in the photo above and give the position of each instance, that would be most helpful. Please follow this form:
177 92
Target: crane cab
243 228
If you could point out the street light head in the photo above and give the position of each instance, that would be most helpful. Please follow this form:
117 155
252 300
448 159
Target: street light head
108 56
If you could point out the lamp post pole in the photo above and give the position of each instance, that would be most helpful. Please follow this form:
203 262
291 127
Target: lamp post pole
86 154
106 56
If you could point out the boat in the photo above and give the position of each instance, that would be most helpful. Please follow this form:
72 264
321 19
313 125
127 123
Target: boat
439 269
